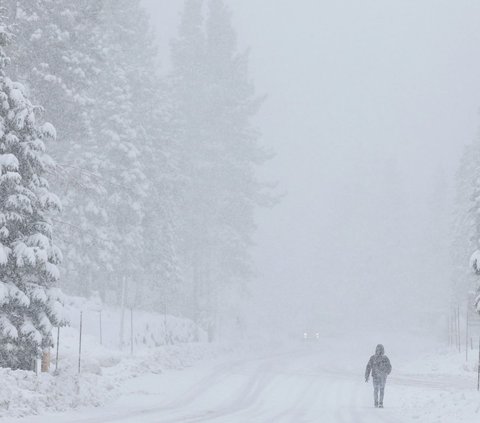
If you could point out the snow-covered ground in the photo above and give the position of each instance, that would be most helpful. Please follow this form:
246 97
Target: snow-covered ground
295 382
160 343
102 379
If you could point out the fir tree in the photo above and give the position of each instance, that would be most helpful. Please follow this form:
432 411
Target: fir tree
186 88
218 158
466 225
28 257
231 108
58 57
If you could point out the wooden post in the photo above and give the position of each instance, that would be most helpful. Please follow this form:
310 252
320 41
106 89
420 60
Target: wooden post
458 330
131 331
466 335
165 323
45 367
80 343
453 325
478 367
122 315
100 323
58 345
449 328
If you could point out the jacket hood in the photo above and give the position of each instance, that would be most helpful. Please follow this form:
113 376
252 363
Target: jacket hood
379 350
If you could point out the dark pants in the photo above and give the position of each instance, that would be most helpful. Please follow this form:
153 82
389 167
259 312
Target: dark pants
379 388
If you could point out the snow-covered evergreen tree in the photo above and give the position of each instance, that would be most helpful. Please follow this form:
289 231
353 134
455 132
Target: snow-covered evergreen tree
232 106
57 62
58 57
94 64
29 301
466 224
219 155
163 284
158 180
187 77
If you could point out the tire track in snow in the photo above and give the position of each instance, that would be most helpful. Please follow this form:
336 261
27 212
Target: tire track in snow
298 412
247 398
218 374
439 383
249 402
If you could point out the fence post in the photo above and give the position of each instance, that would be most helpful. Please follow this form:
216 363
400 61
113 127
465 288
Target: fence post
80 343
165 323
466 335
131 331
453 324
458 330
58 345
449 329
478 367
122 313
100 323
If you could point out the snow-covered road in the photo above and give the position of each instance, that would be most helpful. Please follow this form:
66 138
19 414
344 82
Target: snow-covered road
310 383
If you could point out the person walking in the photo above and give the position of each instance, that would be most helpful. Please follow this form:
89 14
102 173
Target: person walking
379 366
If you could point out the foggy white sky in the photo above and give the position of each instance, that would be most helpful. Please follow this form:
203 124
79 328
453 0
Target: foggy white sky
367 103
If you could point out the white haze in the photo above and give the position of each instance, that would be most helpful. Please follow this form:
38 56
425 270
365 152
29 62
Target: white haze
369 105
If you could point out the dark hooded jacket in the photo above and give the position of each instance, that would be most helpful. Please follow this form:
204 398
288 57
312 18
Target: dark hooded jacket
379 364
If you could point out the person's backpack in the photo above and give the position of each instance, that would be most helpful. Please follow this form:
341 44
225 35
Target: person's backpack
382 365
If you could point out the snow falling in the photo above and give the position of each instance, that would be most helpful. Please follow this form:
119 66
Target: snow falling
239 211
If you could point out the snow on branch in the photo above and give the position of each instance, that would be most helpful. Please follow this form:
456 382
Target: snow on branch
475 262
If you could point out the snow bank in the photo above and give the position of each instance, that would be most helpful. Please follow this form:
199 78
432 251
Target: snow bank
23 393
103 367
440 387
150 329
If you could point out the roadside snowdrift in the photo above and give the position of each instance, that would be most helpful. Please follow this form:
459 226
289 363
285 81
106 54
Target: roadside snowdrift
103 367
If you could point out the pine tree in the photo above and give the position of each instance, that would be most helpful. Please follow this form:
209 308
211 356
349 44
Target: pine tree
163 284
466 224
128 120
56 60
218 158
232 106
94 65
30 303
58 57
186 89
